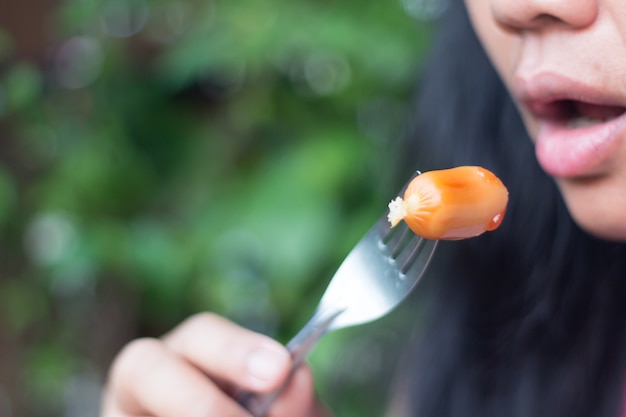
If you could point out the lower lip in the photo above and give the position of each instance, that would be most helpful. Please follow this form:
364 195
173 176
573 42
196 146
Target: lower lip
564 151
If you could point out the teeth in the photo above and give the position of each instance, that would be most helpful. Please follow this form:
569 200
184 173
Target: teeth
582 121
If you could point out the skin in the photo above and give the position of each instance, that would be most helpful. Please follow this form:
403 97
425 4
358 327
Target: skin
583 41
192 370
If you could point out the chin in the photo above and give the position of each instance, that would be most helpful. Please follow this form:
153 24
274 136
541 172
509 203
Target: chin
598 212
603 231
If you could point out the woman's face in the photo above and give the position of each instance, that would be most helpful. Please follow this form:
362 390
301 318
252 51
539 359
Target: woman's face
564 62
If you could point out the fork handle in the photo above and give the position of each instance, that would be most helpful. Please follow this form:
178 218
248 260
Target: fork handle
299 347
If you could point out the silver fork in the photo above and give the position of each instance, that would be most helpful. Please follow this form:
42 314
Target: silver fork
375 277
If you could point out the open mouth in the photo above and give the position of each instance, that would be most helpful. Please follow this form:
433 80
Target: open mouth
577 114
577 127
576 138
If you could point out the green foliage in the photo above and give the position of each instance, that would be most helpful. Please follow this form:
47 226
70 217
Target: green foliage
172 157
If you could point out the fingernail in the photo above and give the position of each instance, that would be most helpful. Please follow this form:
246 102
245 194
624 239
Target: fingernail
266 364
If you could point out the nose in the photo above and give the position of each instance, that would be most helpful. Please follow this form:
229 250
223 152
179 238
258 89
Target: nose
535 14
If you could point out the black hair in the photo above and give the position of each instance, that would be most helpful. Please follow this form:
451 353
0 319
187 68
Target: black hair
528 320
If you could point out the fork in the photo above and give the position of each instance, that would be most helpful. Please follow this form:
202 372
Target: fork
379 272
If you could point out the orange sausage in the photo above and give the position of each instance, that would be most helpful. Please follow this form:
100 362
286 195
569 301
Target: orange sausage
448 204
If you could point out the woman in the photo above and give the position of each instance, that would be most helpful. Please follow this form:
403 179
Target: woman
528 321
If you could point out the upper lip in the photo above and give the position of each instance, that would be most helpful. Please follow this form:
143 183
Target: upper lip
545 94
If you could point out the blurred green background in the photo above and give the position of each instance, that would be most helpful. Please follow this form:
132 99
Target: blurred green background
166 157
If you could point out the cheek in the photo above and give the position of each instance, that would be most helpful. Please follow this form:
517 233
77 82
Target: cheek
502 47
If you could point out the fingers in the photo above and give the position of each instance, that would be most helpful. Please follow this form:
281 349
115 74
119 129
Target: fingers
149 379
298 399
230 353
189 372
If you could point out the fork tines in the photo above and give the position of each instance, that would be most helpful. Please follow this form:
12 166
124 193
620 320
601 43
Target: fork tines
402 246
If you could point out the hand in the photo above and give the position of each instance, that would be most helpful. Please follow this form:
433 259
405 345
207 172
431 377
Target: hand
191 371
